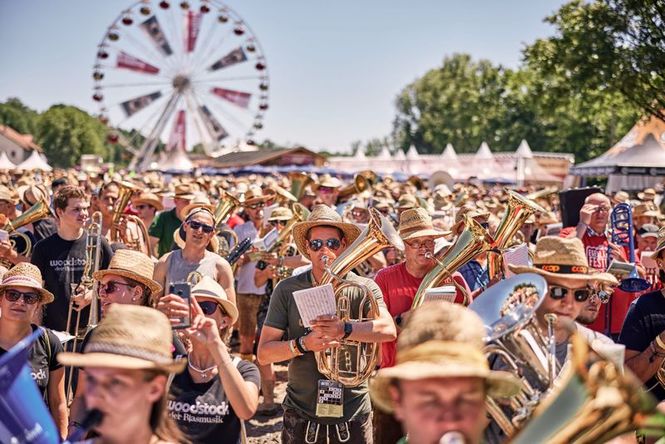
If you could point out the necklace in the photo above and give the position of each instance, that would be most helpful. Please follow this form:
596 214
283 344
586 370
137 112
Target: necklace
203 372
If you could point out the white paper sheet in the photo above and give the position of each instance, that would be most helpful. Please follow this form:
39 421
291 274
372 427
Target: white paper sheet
314 302
516 256
445 293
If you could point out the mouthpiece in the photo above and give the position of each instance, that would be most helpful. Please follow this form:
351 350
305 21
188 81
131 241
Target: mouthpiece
453 437
325 259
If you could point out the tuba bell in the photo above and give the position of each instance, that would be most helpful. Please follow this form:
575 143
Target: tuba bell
351 362
519 210
299 181
20 241
360 183
473 241
127 228
226 204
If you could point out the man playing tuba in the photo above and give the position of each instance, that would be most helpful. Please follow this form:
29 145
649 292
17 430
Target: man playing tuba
334 413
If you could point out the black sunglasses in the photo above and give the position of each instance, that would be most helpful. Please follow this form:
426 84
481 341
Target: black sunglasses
278 222
203 227
29 298
112 286
580 294
209 307
332 244
256 205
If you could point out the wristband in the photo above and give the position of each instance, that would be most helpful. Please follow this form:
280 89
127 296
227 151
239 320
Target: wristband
300 345
292 347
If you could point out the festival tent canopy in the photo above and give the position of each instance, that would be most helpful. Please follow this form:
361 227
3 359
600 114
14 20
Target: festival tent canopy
34 162
637 161
175 160
528 169
399 155
412 153
449 153
5 163
384 154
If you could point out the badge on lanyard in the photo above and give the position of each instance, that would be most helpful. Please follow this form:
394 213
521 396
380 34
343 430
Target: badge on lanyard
330 399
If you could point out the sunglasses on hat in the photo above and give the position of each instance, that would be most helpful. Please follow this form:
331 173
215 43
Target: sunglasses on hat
30 298
580 294
332 244
203 227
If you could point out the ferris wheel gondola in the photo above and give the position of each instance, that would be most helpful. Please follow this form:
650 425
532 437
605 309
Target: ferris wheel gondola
180 75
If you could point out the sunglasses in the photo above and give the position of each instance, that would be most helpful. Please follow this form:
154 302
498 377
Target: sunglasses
274 223
194 225
255 206
29 298
417 245
209 307
580 294
332 244
112 286
326 190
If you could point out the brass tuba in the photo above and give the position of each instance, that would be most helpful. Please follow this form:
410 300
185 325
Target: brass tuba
513 334
360 183
127 228
299 181
470 243
226 205
519 210
351 362
20 241
594 401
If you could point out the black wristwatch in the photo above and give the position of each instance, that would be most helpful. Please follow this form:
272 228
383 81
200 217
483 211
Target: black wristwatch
348 329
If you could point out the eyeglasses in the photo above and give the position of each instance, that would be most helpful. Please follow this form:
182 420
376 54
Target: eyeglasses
142 207
332 244
603 209
201 226
257 205
274 223
417 245
580 294
30 298
326 190
112 286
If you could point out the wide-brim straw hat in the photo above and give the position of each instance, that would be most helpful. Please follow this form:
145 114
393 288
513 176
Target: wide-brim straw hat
281 213
565 258
209 288
132 264
621 197
149 199
184 191
129 337
254 194
647 194
322 215
645 209
199 200
25 274
415 223
326 180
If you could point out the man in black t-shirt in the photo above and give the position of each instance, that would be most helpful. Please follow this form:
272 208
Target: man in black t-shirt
61 257
643 331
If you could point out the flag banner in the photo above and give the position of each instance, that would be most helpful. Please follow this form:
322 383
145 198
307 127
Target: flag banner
154 31
235 56
135 64
133 106
178 133
24 417
238 98
213 124
192 28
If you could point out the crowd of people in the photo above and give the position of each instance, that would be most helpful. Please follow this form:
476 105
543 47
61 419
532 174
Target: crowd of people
164 302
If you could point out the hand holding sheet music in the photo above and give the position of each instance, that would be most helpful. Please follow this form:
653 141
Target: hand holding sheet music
314 302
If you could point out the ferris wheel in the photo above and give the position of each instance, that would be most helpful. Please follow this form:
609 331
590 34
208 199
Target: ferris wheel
179 75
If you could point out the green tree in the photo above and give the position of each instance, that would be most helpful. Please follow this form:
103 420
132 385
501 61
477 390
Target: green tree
15 114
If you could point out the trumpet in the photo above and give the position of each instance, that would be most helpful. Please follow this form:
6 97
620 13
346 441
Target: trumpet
351 362
135 237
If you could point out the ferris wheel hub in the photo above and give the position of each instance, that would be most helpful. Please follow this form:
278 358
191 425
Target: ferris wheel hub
181 83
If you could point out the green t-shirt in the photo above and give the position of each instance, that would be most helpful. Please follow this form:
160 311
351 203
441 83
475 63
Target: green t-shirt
162 227
301 390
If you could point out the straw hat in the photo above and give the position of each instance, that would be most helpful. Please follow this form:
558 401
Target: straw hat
647 209
149 199
661 243
326 180
415 223
129 337
184 191
254 194
281 213
647 194
8 195
200 200
209 288
322 215
134 265
441 340
564 258
24 274
620 197
31 194
407 201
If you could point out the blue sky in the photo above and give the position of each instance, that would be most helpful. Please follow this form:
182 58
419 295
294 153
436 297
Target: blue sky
335 67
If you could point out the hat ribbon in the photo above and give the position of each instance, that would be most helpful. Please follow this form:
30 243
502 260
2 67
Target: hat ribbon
563 269
21 280
125 350
436 351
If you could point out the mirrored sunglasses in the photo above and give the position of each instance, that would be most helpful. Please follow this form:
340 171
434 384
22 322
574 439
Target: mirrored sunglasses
257 205
112 286
580 294
200 226
29 298
332 244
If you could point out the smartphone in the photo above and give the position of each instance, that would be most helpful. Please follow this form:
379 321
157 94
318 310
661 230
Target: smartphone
182 289
4 236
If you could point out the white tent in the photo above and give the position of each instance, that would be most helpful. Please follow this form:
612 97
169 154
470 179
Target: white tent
484 165
384 154
412 153
399 155
449 153
360 154
34 162
175 160
524 151
5 163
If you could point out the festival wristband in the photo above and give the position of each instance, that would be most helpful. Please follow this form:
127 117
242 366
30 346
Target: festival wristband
300 344
292 348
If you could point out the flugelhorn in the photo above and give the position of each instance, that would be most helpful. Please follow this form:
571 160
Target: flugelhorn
473 241
351 362
127 228
519 209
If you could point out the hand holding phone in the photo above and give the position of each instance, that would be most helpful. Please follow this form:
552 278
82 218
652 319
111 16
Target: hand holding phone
183 291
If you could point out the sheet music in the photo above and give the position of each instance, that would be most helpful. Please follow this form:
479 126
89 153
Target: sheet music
516 256
267 241
314 302
445 293
650 265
